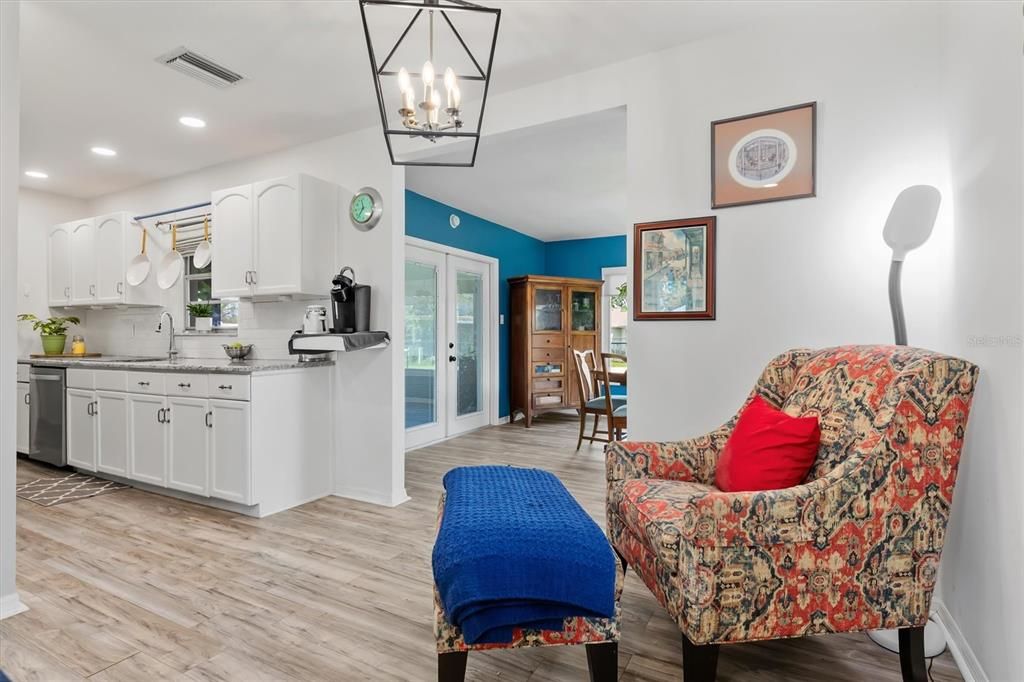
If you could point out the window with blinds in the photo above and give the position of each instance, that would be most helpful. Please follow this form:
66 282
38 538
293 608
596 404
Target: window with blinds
199 286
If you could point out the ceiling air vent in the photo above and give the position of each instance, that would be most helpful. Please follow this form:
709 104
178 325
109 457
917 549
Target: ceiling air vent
199 67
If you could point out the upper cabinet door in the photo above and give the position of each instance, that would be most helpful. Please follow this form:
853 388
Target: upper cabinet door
547 309
278 244
58 263
110 258
232 243
83 259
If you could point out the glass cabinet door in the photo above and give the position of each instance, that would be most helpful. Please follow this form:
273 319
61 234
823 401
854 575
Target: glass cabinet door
547 310
584 311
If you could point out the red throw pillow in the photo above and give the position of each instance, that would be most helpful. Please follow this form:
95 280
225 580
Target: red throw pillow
767 450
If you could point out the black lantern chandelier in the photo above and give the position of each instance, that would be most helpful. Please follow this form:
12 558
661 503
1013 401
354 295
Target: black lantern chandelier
415 104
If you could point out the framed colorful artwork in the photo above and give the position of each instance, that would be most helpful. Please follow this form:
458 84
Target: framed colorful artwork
768 156
674 270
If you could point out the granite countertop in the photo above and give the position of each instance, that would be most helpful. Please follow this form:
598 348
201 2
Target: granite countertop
195 365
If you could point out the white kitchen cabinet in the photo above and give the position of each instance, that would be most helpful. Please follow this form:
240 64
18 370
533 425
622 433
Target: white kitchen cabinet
80 422
275 238
230 456
147 460
87 263
24 410
188 449
110 258
83 262
111 432
232 244
58 262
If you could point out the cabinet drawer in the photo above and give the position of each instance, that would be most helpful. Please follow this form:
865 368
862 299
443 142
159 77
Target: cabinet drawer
110 380
542 354
548 341
188 385
81 378
23 372
540 385
548 400
151 383
229 386
547 369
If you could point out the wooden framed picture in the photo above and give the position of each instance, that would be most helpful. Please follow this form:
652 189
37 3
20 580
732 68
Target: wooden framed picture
674 270
768 156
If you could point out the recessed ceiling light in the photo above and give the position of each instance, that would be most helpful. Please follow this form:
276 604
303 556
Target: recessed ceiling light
771 184
192 122
37 174
104 151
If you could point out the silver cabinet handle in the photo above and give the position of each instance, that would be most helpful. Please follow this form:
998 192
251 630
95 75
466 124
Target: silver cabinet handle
92 289
28 398
120 287
67 292
167 415
209 422
143 383
184 385
248 276
95 407
225 387
88 409
253 276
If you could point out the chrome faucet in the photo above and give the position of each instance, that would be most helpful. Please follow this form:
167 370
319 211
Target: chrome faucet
172 352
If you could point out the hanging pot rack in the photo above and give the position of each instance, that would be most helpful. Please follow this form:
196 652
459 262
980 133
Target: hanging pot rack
186 221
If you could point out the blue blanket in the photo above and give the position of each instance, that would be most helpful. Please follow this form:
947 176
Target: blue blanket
516 550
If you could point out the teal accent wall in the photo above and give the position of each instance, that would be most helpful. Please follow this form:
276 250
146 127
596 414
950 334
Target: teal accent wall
584 257
517 254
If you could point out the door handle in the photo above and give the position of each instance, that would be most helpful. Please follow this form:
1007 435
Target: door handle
120 287
452 358
28 398
247 279
67 292
225 387
451 345
88 409
184 385
92 289
167 415
209 416
253 276
143 383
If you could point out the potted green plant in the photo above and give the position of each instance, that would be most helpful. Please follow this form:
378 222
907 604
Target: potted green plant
53 331
203 312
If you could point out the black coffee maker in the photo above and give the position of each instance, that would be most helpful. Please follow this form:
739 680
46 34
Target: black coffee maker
350 303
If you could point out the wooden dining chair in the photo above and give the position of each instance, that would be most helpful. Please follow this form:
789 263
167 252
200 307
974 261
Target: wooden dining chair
613 405
593 400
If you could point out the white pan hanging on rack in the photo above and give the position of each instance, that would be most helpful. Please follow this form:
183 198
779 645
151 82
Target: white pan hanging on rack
138 268
171 264
201 258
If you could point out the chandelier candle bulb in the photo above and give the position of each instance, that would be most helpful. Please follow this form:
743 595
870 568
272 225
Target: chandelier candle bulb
403 80
435 104
454 98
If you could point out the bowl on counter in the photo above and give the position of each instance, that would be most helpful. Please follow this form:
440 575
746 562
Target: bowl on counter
237 353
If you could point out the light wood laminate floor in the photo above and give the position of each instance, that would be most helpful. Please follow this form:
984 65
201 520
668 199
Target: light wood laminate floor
137 586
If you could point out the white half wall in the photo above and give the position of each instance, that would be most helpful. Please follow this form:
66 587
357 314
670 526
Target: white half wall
10 173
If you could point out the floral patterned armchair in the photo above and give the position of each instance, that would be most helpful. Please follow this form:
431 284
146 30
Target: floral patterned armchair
854 547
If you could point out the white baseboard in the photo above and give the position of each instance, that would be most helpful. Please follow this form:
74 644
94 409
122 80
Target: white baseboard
970 666
373 497
11 605
501 420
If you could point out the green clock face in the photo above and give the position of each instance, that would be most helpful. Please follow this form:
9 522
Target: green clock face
362 208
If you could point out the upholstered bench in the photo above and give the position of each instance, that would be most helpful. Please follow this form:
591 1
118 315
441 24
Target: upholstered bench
599 635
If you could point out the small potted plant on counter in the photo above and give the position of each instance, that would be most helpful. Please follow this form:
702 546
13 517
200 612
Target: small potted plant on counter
53 331
203 312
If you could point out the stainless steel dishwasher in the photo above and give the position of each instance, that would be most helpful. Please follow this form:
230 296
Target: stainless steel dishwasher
46 415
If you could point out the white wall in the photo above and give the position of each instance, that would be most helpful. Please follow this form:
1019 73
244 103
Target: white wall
984 557
813 272
37 213
9 175
369 422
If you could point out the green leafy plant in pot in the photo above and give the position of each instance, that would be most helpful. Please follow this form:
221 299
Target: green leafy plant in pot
203 312
53 331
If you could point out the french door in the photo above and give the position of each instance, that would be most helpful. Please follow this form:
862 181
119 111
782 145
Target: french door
448 370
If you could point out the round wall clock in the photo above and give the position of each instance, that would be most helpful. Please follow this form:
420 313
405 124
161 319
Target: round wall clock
366 208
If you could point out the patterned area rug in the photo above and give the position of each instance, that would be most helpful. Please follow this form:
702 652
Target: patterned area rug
50 491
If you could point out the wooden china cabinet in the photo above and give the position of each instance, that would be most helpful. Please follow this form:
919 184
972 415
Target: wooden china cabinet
550 317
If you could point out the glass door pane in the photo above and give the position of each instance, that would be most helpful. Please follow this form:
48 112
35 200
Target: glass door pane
469 326
421 327
584 311
547 310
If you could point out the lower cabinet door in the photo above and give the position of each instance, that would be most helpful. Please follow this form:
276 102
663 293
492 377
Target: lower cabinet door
188 467
23 418
147 460
112 432
81 428
230 457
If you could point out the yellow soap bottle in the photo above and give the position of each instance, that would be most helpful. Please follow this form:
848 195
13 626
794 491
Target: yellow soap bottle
77 345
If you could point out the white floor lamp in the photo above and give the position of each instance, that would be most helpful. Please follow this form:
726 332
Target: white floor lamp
908 226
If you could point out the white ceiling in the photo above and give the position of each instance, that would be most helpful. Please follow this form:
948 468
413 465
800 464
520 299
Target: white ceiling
562 180
89 75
